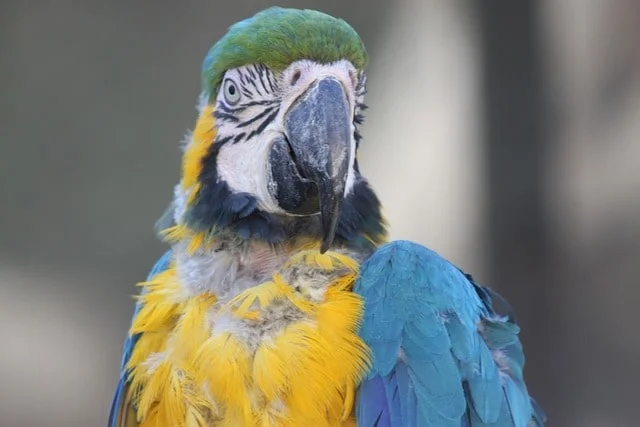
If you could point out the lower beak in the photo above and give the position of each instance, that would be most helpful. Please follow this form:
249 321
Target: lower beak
318 128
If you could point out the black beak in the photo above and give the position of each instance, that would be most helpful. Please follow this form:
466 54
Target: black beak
318 131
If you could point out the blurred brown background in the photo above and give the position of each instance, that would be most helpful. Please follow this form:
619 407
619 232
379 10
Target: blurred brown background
503 134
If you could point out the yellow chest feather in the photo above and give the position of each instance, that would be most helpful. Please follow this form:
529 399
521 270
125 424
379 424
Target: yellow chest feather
187 369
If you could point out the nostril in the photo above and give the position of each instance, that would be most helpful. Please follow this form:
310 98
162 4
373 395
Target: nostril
295 77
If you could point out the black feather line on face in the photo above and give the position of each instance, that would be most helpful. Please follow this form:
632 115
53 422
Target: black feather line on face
238 137
253 83
224 116
271 87
246 92
261 71
360 107
218 207
264 124
242 80
262 102
357 137
226 109
256 117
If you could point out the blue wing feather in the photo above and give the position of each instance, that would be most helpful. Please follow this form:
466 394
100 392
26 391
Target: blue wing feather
441 354
377 413
118 402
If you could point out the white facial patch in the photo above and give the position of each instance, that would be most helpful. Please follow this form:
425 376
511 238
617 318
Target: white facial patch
244 166
251 107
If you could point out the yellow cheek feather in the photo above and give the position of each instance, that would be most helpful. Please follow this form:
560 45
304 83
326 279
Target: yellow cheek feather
303 374
201 140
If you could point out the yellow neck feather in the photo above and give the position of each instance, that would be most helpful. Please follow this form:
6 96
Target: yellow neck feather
302 373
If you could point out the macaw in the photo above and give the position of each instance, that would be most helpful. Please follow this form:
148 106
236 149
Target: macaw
280 301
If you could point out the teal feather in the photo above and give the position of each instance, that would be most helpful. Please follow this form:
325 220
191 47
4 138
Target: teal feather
407 401
441 355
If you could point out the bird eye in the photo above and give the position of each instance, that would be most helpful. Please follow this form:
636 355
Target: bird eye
231 92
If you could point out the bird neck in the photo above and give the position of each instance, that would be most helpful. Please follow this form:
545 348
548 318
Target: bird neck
226 265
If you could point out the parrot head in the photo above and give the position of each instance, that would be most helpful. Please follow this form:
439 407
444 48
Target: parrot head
273 153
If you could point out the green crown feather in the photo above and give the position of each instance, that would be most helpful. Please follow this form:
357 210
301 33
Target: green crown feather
276 37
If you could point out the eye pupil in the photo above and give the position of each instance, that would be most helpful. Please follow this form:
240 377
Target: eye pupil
232 90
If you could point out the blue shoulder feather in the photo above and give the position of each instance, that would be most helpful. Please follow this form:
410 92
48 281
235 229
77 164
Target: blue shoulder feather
118 402
441 355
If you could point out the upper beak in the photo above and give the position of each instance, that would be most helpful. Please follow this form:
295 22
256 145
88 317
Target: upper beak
318 128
